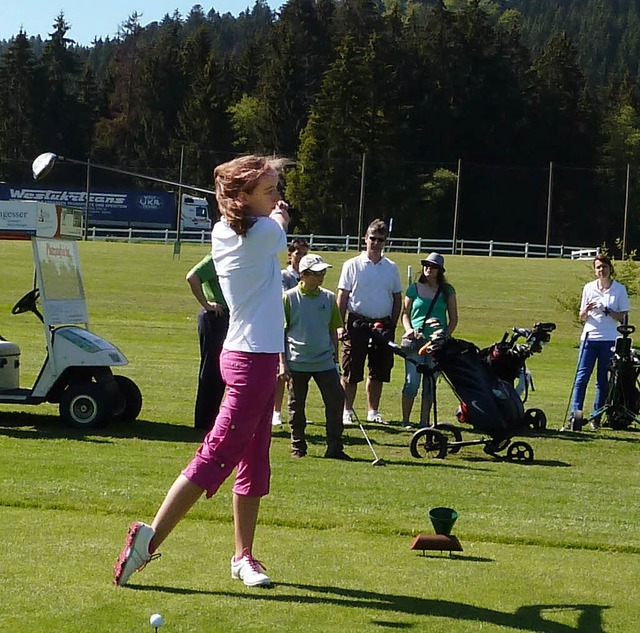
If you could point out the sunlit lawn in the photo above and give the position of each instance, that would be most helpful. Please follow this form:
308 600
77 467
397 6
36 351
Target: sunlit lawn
552 546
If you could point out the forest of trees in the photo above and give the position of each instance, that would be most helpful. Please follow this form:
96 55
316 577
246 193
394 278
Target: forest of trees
414 86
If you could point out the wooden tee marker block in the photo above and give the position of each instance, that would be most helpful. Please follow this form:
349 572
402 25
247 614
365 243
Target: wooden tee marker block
437 542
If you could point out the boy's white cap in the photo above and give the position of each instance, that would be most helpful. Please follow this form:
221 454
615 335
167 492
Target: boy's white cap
314 263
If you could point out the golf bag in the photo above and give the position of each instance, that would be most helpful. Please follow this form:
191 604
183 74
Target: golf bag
490 404
483 380
623 397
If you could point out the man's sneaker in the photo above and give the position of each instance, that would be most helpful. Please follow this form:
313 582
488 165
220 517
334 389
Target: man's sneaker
348 418
296 453
136 553
276 420
250 571
375 416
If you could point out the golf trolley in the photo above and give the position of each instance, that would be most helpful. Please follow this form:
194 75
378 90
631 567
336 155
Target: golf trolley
483 381
622 403
77 370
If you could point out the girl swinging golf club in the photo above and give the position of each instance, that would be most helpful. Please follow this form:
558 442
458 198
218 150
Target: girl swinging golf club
245 247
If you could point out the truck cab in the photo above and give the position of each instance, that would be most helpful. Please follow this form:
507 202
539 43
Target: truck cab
194 213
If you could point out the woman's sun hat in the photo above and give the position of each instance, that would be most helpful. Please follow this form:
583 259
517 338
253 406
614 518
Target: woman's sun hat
434 258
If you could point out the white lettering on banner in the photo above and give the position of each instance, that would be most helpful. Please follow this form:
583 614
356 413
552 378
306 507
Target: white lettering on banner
149 202
49 195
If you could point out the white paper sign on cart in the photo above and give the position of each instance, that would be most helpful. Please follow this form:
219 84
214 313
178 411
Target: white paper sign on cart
60 282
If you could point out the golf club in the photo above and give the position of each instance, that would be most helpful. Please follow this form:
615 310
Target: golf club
377 460
583 345
45 162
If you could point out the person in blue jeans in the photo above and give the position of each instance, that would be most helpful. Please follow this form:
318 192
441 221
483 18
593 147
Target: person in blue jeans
603 307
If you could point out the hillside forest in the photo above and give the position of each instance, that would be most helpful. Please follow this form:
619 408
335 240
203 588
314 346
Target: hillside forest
533 103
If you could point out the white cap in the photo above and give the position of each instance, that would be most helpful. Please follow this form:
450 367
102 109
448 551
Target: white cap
314 263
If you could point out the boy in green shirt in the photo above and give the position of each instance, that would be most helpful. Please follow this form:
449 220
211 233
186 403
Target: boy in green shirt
311 341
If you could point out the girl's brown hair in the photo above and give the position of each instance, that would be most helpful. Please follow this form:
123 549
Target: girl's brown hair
239 175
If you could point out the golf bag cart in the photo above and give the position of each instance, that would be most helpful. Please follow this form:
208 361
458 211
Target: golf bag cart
622 403
483 381
77 372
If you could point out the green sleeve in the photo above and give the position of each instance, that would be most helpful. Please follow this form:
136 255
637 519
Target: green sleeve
206 272
287 310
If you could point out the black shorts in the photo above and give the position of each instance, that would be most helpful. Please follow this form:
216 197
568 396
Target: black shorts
358 347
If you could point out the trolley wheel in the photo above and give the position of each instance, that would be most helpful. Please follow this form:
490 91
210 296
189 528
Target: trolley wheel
452 433
618 419
128 400
520 452
85 405
428 442
536 419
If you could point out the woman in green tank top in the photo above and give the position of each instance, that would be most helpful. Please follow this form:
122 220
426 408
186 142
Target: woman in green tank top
431 298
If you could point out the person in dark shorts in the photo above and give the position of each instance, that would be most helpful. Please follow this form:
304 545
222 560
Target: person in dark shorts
370 290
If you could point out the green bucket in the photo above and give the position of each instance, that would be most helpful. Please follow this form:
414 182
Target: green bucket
443 519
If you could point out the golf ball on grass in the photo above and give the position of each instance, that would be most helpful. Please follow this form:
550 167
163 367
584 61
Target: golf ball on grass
156 620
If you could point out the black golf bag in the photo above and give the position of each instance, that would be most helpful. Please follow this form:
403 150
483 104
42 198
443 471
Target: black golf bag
623 397
483 380
489 403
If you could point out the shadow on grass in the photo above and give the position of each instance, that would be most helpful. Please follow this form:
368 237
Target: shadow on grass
37 426
526 618
551 463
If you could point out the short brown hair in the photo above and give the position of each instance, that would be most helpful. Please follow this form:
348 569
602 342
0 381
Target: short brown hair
297 243
605 259
378 226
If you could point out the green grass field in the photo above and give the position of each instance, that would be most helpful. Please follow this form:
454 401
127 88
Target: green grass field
550 547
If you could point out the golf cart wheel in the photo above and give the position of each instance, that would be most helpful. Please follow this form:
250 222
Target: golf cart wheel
428 442
128 400
452 433
85 405
536 419
520 452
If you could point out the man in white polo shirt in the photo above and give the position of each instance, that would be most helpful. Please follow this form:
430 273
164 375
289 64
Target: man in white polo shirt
370 290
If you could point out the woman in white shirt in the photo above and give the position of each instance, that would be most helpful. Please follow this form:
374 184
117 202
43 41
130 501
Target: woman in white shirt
603 307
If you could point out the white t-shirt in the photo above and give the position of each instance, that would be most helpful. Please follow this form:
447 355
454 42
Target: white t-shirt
602 327
371 286
249 274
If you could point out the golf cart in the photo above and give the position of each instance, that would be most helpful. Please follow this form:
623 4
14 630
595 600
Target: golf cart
77 372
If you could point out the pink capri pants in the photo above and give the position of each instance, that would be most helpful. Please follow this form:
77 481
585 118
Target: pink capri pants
241 434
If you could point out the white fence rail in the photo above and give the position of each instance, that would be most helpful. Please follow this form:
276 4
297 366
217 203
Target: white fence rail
418 245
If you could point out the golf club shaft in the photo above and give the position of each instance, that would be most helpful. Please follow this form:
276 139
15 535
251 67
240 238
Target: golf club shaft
583 345
366 437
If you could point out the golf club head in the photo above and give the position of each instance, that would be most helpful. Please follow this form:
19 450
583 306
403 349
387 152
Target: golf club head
378 462
43 164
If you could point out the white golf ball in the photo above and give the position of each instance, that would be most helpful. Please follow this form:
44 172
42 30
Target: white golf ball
156 620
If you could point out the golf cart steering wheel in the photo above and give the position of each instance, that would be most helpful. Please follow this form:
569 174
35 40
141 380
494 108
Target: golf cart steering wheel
28 304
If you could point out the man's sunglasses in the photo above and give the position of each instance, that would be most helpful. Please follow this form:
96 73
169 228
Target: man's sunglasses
377 239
